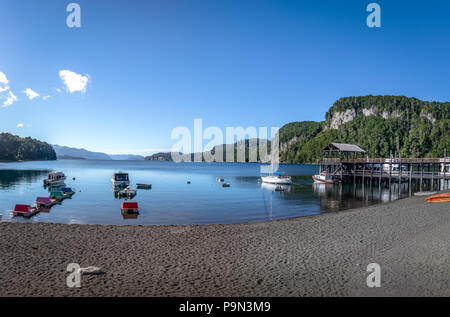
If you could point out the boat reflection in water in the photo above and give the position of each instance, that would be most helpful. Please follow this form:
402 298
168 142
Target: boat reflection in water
55 187
128 216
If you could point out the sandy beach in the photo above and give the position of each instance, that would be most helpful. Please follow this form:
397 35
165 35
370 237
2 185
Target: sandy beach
324 255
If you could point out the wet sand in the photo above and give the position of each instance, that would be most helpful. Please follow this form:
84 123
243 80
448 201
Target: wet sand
324 255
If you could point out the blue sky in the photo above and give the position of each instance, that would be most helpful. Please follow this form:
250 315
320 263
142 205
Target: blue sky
151 66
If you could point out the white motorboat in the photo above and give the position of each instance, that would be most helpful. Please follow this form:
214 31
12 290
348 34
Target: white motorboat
120 179
55 178
276 187
323 178
277 178
127 193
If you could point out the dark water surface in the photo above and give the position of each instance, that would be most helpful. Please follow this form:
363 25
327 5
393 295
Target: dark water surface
173 201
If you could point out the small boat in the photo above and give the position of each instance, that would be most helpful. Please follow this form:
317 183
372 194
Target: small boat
277 178
144 186
429 193
44 202
439 198
67 191
130 208
25 211
56 194
220 179
127 193
226 185
59 195
120 179
323 178
55 178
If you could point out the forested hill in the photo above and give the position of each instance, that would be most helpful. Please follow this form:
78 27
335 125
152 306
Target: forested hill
15 148
379 124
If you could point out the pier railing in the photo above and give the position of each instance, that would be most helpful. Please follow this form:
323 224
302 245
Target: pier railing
386 160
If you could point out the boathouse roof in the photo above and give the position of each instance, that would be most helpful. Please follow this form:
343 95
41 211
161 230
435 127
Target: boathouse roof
342 147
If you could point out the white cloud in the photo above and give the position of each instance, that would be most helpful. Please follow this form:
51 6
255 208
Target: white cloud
31 94
3 82
9 96
3 79
58 90
20 125
73 81
10 99
46 97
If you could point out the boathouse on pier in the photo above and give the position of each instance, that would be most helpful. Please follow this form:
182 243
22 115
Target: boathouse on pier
349 163
342 150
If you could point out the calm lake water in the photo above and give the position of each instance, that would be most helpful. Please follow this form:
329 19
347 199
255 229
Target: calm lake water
172 200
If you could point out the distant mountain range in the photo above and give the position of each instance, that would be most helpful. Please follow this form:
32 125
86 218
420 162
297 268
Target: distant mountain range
123 157
65 152
242 146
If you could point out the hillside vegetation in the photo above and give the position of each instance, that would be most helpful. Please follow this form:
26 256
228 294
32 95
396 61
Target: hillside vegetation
14 148
379 124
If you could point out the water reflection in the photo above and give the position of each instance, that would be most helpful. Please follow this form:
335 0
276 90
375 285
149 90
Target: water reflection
127 216
55 187
172 201
10 178
335 197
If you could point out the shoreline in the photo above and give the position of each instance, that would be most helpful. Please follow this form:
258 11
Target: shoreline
318 255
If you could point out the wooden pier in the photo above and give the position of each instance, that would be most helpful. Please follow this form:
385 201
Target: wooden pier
348 168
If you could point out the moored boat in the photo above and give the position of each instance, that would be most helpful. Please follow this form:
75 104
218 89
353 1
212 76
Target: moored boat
26 211
59 195
276 187
44 202
130 208
67 191
127 193
144 186
120 179
277 178
56 194
323 178
55 178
